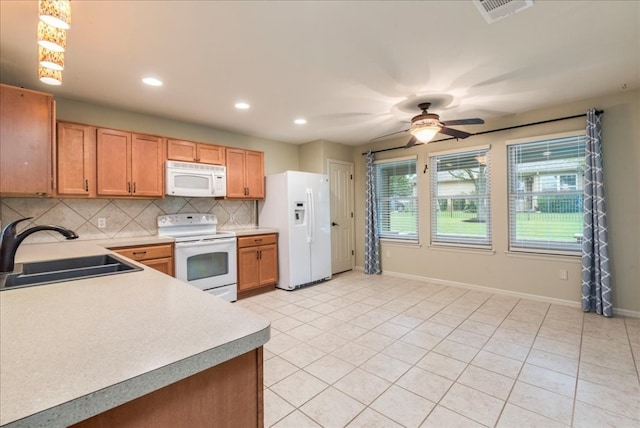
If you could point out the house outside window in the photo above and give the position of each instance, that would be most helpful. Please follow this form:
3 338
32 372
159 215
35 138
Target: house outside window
545 194
460 198
397 198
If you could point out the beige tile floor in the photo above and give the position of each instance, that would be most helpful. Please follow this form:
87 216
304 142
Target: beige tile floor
381 351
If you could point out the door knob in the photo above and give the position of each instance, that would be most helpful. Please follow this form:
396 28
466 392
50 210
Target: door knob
333 223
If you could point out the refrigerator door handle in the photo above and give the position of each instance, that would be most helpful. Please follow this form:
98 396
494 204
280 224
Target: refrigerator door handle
313 216
309 216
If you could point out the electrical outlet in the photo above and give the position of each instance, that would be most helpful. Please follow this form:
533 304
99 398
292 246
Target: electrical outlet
564 274
102 222
232 217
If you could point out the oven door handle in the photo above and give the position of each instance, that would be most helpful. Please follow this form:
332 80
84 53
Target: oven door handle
203 243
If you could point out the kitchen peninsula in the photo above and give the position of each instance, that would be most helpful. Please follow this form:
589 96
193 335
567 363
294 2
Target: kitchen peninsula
77 349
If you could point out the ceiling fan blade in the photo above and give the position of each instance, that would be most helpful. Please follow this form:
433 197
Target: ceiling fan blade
388 135
455 133
472 121
411 142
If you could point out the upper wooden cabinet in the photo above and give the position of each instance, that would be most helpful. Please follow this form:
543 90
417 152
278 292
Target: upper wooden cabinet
129 164
76 154
245 174
26 142
189 151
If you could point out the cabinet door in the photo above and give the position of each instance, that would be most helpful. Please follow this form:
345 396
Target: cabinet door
181 150
255 174
236 173
268 264
26 139
113 162
208 153
147 159
248 269
76 147
163 265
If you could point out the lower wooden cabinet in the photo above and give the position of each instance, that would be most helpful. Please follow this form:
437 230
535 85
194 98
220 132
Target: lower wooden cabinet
158 257
227 395
257 264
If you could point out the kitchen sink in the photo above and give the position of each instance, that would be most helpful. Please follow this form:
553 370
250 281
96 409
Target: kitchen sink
51 271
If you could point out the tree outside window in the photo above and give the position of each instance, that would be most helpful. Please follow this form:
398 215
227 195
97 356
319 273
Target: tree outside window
397 199
460 194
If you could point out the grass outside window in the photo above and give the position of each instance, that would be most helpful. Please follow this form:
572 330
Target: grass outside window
534 225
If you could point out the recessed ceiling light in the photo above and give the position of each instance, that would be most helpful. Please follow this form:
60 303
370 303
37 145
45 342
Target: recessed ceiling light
242 106
152 81
300 121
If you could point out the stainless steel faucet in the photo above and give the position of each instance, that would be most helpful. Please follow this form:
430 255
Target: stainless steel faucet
9 241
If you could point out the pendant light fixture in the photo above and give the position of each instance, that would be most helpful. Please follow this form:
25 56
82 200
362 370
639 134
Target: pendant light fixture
56 13
55 20
52 38
50 59
49 76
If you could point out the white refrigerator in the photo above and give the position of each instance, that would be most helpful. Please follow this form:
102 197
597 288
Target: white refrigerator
297 204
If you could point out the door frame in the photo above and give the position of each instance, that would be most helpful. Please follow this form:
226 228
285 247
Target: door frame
351 204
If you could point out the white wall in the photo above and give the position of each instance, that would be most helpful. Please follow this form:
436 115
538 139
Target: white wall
530 274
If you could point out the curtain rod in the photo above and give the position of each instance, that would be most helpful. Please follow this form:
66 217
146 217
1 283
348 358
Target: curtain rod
598 112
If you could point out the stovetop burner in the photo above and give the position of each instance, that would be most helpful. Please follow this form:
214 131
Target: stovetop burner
190 225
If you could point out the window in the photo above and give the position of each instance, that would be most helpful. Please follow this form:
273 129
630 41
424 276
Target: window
545 194
397 198
460 198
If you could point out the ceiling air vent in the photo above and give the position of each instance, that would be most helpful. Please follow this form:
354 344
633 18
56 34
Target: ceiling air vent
495 10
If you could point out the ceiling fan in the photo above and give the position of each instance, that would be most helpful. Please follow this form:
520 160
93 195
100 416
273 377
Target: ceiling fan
425 126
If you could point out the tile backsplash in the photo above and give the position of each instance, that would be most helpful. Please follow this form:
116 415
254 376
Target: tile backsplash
123 217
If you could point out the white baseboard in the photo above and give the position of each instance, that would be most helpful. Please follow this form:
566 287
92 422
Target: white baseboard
626 313
616 311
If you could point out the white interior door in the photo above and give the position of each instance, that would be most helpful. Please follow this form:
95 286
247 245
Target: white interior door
342 221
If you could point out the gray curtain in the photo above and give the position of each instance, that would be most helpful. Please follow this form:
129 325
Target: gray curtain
371 240
596 277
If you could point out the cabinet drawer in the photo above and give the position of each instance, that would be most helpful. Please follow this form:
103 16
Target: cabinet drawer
145 253
252 241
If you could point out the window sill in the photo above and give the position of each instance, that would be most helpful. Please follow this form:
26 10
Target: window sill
400 242
545 256
463 249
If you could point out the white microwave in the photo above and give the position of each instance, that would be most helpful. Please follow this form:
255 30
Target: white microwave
195 179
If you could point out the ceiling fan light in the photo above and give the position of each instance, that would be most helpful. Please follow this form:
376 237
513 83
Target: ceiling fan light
49 76
56 13
424 134
50 59
52 38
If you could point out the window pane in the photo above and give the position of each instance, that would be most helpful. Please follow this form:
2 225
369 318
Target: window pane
545 194
397 199
460 198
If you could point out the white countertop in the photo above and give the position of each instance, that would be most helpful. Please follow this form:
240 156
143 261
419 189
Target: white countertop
74 349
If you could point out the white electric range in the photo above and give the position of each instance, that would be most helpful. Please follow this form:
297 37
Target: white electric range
204 257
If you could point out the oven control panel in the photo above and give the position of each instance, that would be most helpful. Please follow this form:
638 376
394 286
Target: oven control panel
186 219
